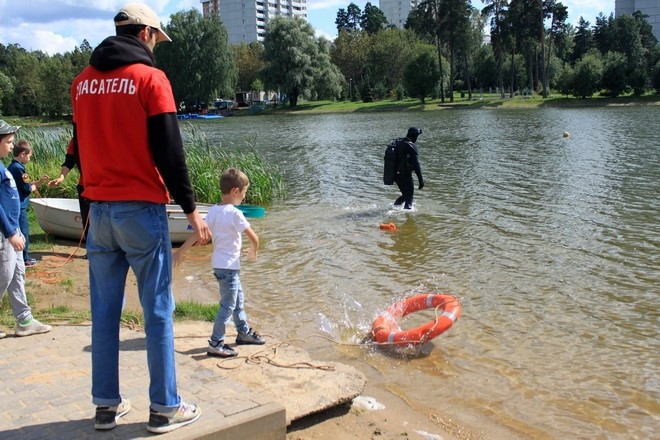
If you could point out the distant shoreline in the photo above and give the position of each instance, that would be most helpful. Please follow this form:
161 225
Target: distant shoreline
479 101
476 103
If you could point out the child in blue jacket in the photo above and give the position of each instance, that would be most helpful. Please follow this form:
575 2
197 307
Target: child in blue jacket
12 243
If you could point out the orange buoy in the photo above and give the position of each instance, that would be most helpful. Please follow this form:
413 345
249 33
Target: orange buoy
388 226
386 330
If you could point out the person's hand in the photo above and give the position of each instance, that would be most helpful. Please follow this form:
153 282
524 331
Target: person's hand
56 182
42 180
421 184
200 228
17 242
177 257
251 253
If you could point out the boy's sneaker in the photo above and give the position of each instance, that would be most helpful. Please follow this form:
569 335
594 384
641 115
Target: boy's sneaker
33 327
3 334
30 262
107 416
219 349
160 423
251 337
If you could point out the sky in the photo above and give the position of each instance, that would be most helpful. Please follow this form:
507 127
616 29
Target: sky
58 26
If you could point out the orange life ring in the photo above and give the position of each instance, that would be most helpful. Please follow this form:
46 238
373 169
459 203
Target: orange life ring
386 330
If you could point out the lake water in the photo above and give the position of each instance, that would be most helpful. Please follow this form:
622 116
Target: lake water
551 243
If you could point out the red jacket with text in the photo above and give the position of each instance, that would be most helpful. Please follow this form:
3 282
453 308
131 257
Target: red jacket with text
126 134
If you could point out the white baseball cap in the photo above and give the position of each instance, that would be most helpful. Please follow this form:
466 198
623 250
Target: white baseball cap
138 13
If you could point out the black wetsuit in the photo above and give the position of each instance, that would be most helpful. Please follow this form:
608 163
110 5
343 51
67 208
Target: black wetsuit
407 161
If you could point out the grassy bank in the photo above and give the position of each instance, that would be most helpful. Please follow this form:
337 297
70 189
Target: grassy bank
206 161
479 100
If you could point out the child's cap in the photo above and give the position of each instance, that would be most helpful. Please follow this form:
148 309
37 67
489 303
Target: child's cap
8 129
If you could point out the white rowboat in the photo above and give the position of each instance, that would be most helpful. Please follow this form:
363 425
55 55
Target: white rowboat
61 217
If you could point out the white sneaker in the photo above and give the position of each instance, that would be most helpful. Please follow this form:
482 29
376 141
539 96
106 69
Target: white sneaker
3 334
107 416
160 423
33 327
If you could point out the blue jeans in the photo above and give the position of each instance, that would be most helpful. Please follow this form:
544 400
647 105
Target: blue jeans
25 229
231 303
135 235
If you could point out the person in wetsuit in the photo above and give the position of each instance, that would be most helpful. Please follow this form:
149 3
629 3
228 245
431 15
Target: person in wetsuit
406 162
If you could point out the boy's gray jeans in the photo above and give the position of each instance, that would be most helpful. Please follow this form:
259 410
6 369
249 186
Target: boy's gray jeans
12 280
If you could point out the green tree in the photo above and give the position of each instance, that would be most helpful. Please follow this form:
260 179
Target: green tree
587 75
349 19
422 75
56 77
518 71
486 69
22 68
557 34
604 33
372 19
656 77
427 21
327 77
628 30
470 45
349 53
79 57
629 35
248 59
6 90
354 16
257 86
497 11
292 55
564 80
615 75
342 21
583 40
454 26
391 51
197 61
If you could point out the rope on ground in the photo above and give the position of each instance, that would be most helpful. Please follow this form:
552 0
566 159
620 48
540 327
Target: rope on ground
133 324
50 276
53 319
261 357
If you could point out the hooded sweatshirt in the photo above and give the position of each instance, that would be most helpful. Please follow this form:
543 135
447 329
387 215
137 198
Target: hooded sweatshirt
126 134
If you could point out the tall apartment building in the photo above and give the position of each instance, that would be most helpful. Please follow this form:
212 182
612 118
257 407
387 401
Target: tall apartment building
245 20
647 7
396 11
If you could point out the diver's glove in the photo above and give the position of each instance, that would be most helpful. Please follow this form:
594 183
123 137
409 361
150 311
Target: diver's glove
421 184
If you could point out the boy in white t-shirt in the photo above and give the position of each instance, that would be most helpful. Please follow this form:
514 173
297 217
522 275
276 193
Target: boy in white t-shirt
227 224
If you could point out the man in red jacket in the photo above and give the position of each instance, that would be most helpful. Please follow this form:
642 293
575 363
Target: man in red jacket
127 142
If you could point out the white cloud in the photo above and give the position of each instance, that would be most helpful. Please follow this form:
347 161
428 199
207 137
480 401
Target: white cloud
186 5
588 9
335 4
52 43
318 33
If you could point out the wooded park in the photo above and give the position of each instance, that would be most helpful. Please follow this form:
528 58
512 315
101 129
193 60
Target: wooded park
443 50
